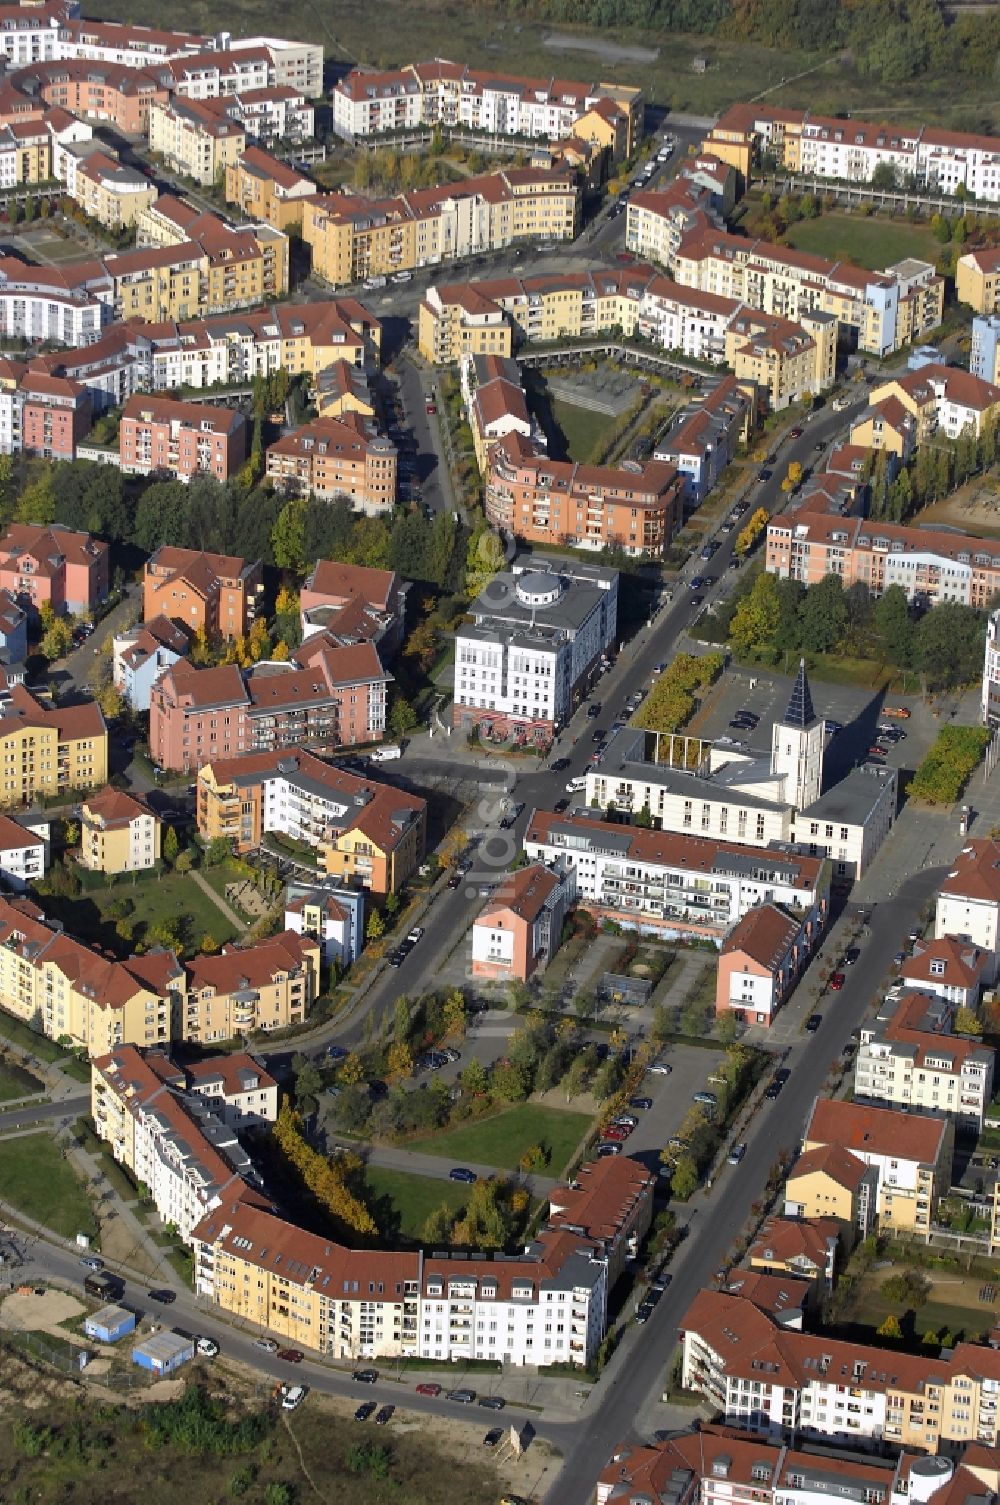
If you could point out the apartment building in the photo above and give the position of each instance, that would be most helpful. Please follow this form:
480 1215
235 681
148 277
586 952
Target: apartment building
518 930
25 153
610 1202
333 915
943 400
110 193
831 1182
353 602
495 404
326 696
977 282
55 415
270 985
912 1154
782 360
241 265
774 1382
108 93
991 672
632 506
236 1088
181 439
352 237
952 968
968 901
849 150
337 457
119 833
538 632
49 750
67 305
195 139
141 655
168 1138
704 438
670 884
217 594
454 96
367 834
761 960
802 1248
264 188
901 1063
879 311
930 566
214 74
24 852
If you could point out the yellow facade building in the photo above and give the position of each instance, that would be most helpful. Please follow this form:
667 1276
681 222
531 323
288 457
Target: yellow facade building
977 280
194 140
49 750
264 188
119 833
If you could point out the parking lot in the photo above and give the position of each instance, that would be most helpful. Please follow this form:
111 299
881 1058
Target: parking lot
858 710
691 1070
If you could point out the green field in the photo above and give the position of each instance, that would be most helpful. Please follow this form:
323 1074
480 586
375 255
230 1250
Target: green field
874 243
36 1180
503 1139
156 898
401 1203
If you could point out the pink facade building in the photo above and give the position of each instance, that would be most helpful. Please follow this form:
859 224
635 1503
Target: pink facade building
53 566
183 439
56 414
761 961
519 930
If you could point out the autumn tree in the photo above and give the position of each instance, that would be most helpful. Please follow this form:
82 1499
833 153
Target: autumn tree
170 846
326 1180
399 1061
453 1014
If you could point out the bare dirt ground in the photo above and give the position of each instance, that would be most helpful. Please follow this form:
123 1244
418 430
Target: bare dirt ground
974 508
40 1314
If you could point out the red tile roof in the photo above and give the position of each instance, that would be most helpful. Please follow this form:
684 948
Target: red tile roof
876 1131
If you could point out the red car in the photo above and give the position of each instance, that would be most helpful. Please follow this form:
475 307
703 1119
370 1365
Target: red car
837 981
795 434
617 1132
428 1389
625 256
431 407
877 750
291 1355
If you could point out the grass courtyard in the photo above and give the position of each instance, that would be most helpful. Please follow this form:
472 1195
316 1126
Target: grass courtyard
581 430
950 1305
503 1139
155 899
401 1203
874 243
36 1180
16 1082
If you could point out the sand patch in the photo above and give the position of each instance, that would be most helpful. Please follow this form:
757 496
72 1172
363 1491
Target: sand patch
45 1313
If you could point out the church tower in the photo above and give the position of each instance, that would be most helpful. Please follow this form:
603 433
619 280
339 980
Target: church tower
797 746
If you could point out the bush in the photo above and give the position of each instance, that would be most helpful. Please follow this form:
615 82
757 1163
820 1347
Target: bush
949 764
672 699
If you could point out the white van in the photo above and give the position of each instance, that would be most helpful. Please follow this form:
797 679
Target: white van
293 1397
578 782
371 283
386 753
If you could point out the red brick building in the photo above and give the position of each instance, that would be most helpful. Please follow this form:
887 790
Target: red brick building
182 439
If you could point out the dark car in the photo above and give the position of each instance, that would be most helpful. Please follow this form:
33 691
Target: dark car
697 582
598 735
336 1052
642 1103
765 475
595 709
455 880
643 1312
384 1416
559 765
463 1397
852 956
396 958
493 1436
459 1173
166 1297
813 1023
795 433
291 1355
561 805
365 1376
833 728
363 1412
492 1402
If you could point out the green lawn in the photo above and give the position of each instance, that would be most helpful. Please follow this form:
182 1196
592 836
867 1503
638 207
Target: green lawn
582 430
401 1203
156 898
16 1082
503 1139
36 1180
873 243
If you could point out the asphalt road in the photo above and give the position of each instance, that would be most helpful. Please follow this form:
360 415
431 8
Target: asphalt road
31 1114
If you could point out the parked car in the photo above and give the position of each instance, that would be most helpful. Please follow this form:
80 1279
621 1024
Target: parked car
384 1416
492 1402
561 805
617 1133
92 1263
460 1173
462 1397
292 1397
643 1312
166 1298
660 1068
207 1347
559 765
837 981
368 1408
493 1436
428 1388
813 1023
336 1052
897 712
268 1345
291 1355
594 709
795 433
736 1154
642 1103
608 1148
365 1376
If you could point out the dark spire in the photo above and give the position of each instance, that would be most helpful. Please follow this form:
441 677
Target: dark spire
800 707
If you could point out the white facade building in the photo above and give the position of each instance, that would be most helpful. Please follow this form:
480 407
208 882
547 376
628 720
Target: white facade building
333 915
902 1064
991 672
968 904
24 852
538 631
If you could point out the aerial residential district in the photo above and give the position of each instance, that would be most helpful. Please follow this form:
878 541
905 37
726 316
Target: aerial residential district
500 838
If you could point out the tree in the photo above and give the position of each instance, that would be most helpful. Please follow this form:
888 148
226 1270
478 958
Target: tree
474 1079
399 1061
71 833
401 1022
894 626
949 645
890 1329
402 717
375 929
437 1226
484 1225
352 1071
288 538
749 535
485 559
756 616
327 1181
218 849
170 846
575 1080
684 1181
454 1015
823 615
37 502
510 1082
884 175
111 701
57 639
966 1022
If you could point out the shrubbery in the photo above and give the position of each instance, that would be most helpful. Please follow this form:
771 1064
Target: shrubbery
949 764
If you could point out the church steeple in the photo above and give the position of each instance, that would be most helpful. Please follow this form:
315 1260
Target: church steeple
800 711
